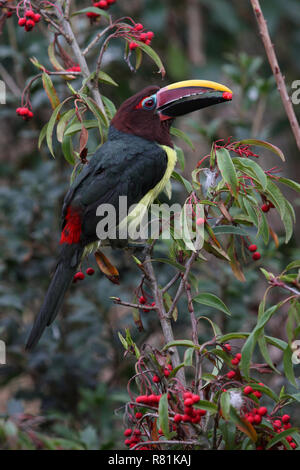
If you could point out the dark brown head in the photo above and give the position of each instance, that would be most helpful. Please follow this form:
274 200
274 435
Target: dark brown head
150 113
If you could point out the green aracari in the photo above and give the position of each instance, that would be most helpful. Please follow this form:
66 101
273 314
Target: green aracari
136 161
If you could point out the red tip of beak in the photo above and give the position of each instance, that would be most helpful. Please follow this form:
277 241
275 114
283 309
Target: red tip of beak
227 95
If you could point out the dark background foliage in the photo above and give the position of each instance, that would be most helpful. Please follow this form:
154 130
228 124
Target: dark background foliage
76 378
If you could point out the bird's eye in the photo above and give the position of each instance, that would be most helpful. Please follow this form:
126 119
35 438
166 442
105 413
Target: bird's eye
149 102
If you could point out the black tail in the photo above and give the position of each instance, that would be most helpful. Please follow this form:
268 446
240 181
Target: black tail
62 278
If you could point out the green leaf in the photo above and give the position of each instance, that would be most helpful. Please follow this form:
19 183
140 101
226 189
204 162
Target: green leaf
255 170
243 424
250 343
262 343
293 265
188 357
261 143
176 176
206 405
181 342
153 55
42 135
91 10
180 157
280 437
50 90
77 126
67 148
62 124
109 107
182 135
227 169
292 184
232 229
163 415
105 78
51 125
288 365
211 300
225 405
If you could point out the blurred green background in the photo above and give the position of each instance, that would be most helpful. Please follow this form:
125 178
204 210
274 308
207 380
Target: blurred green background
75 380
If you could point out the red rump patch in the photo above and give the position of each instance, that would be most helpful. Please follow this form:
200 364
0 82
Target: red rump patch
72 230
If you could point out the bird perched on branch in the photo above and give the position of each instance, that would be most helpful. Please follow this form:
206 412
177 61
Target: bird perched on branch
136 161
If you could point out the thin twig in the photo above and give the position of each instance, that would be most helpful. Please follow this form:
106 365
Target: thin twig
66 25
129 304
165 320
171 283
263 29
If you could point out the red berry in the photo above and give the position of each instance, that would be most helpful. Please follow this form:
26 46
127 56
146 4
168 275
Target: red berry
293 445
188 402
289 438
127 442
285 418
256 256
187 395
102 4
127 432
142 399
196 398
167 373
177 418
257 394
227 347
29 25
257 419
138 415
238 356
287 426
252 247
30 14
137 432
91 14
265 207
277 423
90 271
235 361
150 35
143 37
156 379
142 300
271 205
133 45
186 418
169 366
138 27
250 419
37 17
110 2
22 22
153 304
201 412
79 276
248 390
9 14
148 42
262 411
230 374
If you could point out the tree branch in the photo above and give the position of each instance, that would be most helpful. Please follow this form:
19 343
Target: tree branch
269 47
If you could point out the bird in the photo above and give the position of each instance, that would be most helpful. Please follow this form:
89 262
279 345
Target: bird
136 161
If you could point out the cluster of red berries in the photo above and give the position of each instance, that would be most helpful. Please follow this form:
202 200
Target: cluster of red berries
256 254
79 276
25 113
190 415
102 4
267 206
75 68
138 33
143 301
133 437
29 20
248 390
167 371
